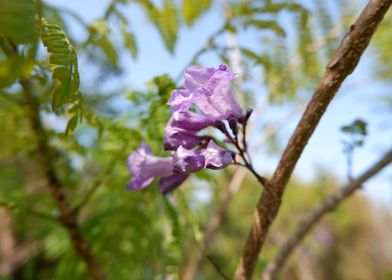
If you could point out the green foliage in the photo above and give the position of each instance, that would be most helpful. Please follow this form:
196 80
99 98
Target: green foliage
356 131
311 64
10 70
165 19
130 42
17 19
283 63
382 43
64 72
155 111
330 242
99 31
266 24
154 236
326 24
193 9
357 127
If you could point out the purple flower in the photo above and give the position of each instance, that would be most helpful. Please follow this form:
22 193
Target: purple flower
169 183
216 157
189 120
180 99
210 89
144 167
187 161
175 137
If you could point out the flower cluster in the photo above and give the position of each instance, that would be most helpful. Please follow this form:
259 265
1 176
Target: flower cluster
209 92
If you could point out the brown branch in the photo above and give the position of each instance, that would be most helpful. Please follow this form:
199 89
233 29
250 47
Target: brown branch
315 215
341 65
44 153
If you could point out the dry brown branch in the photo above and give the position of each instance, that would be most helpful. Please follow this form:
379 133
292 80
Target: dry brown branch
341 65
315 215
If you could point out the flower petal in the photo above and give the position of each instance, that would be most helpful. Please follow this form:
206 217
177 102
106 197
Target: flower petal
210 89
217 100
216 157
171 182
180 99
144 167
196 76
189 120
175 137
187 161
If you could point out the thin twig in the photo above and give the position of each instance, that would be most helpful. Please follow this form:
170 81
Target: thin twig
341 65
218 269
315 215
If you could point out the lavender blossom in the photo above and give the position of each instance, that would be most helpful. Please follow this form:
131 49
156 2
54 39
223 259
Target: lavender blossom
210 89
144 167
216 157
175 137
187 161
180 99
171 182
189 120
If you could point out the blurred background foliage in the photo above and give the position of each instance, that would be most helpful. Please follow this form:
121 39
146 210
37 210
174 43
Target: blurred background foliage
144 235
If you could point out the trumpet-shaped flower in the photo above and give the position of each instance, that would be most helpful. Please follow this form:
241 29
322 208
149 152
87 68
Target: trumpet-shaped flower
176 137
209 89
171 182
189 120
187 161
144 167
216 157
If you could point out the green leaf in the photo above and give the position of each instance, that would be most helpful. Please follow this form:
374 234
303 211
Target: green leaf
107 47
65 72
10 70
71 125
130 42
277 7
357 127
61 59
61 73
165 20
61 93
59 49
266 24
193 9
250 54
17 20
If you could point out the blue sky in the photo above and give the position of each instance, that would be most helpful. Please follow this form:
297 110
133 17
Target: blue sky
356 98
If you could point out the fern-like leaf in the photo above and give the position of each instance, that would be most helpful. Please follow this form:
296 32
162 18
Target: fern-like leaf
64 71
